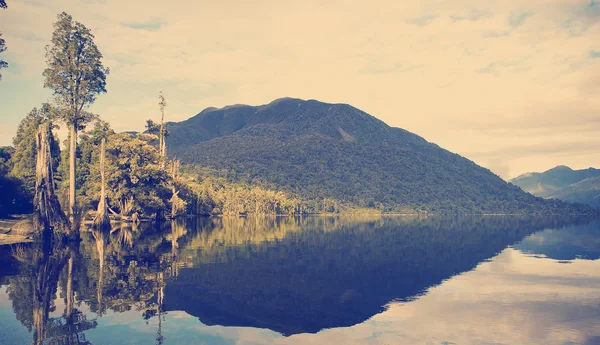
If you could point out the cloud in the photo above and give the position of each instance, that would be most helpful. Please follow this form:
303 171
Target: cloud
473 15
153 24
517 19
498 66
421 21
495 34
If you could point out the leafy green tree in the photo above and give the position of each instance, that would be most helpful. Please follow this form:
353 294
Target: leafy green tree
152 127
6 153
14 198
135 180
87 157
76 76
24 142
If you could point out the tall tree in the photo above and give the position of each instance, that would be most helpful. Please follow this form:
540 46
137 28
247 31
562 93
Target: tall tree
76 76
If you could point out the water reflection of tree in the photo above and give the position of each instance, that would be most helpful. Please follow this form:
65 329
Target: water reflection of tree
33 294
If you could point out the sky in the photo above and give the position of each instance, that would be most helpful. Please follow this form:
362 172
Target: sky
512 85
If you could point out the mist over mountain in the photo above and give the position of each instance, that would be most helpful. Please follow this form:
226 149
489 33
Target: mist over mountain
319 151
563 183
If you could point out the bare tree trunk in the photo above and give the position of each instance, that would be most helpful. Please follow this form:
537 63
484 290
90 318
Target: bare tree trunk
47 211
177 204
161 137
72 150
102 221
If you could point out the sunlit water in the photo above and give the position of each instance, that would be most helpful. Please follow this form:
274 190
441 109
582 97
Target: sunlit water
314 280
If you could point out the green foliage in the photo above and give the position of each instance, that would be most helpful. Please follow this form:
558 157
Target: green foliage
212 196
25 152
152 127
321 151
75 72
6 163
14 198
86 159
134 179
17 164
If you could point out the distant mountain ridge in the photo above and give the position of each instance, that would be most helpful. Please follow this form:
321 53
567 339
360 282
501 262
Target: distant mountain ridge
322 151
563 183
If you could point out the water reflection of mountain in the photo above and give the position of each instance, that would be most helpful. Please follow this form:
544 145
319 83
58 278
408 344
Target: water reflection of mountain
290 275
314 278
569 243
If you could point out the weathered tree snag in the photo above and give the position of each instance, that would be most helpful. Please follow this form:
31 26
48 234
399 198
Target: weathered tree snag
72 150
47 211
162 146
101 221
177 204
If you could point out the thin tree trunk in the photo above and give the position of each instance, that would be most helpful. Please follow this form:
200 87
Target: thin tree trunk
177 204
102 221
72 150
161 136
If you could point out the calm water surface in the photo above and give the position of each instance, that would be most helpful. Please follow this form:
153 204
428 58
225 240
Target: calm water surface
314 280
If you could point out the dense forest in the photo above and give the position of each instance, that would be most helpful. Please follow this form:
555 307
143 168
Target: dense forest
318 150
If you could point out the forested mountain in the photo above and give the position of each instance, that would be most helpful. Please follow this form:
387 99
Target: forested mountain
563 183
322 151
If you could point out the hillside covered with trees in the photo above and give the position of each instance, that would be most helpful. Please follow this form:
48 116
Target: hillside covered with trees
334 151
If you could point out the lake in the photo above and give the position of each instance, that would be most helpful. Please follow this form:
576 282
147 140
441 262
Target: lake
310 280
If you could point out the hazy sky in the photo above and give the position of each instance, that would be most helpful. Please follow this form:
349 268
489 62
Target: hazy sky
512 85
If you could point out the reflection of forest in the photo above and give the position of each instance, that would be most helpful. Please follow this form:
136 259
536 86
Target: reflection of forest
330 272
288 274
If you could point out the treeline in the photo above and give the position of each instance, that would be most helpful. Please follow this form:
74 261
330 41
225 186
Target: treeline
137 179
